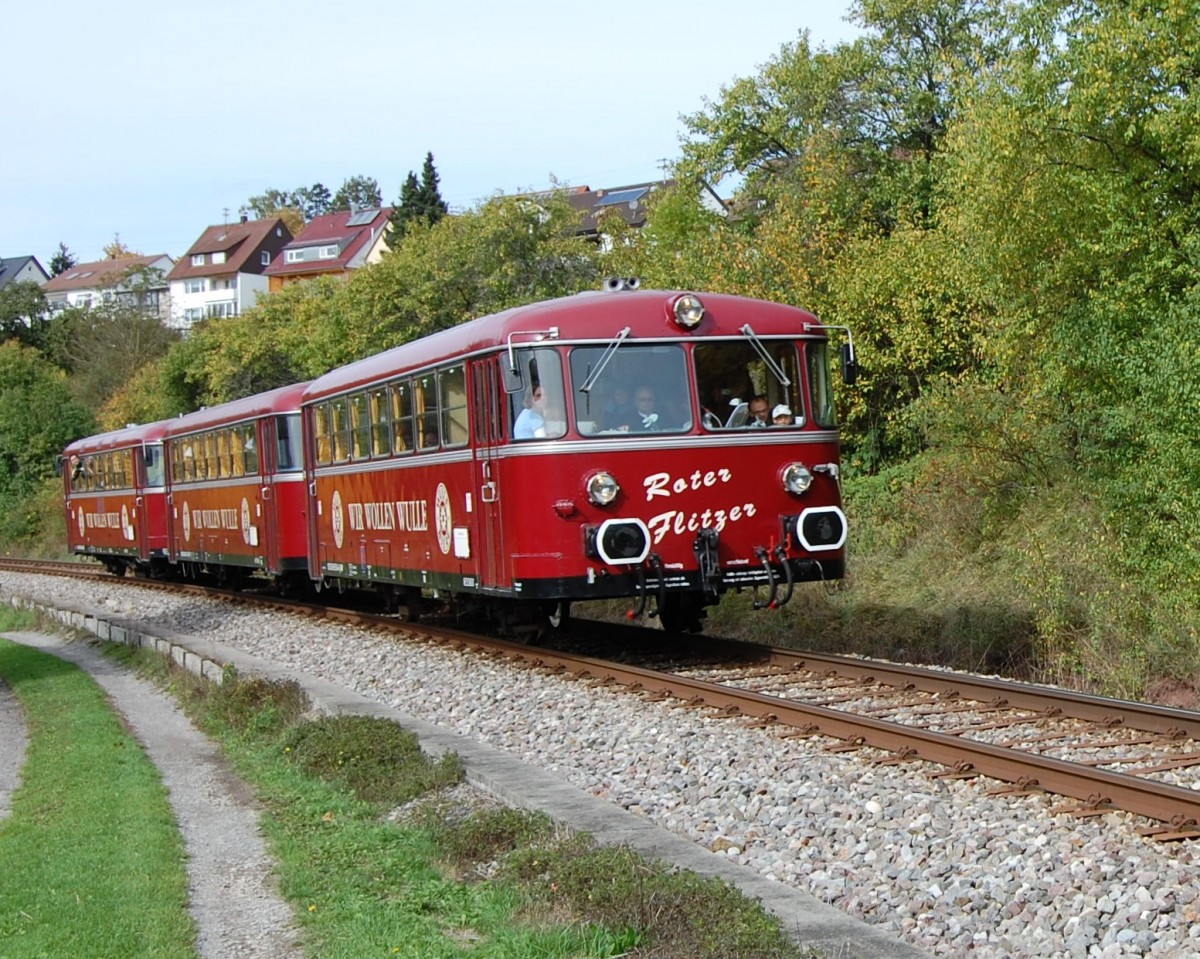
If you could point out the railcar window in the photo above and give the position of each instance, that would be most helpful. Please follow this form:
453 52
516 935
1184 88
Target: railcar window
360 427
210 457
249 448
380 415
732 380
452 393
237 449
402 418
185 466
288 444
224 454
820 386
340 420
152 461
539 412
323 432
425 411
640 389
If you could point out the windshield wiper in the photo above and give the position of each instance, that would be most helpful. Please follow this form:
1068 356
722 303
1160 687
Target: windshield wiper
607 355
761 349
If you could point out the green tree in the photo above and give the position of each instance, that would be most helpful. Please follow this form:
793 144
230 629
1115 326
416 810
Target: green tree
62 261
360 192
419 201
103 346
23 314
38 417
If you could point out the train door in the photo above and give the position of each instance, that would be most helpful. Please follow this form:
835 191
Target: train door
149 504
267 466
488 425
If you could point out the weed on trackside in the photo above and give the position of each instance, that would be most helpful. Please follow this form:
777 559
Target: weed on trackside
441 879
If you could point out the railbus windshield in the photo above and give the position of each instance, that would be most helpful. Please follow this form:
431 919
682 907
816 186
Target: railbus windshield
638 389
729 384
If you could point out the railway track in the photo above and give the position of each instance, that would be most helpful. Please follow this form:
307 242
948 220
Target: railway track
1100 753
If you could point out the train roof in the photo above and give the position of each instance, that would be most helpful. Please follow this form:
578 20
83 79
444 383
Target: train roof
594 316
133 435
285 399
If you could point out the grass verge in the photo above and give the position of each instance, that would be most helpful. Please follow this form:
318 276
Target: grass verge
378 862
82 876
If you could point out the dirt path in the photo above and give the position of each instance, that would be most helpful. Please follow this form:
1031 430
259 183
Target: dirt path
233 899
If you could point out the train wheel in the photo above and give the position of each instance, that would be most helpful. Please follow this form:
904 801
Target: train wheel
682 612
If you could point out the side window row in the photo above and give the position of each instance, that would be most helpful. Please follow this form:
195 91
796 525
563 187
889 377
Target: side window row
425 412
111 470
215 454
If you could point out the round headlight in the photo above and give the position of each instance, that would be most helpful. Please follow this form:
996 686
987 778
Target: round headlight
602 489
796 478
688 311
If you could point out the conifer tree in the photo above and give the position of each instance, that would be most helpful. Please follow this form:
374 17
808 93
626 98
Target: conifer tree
419 200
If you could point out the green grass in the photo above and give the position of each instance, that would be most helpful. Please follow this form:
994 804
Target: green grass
93 864
439 882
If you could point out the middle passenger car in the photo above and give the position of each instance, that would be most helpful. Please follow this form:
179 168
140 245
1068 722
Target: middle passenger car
236 490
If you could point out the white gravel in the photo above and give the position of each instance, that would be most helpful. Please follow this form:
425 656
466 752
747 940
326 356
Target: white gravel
937 862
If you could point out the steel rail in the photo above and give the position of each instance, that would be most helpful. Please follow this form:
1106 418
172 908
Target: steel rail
1092 786
1096 787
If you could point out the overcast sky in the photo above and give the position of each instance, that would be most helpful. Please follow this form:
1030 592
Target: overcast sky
149 121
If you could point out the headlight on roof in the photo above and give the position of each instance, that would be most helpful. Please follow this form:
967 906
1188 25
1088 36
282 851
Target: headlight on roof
687 311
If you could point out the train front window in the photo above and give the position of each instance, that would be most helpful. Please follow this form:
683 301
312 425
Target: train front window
538 412
639 389
820 386
738 389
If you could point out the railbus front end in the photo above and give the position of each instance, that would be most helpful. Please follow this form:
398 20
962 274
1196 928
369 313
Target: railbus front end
693 451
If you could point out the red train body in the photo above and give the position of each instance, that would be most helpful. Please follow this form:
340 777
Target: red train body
664 447
236 481
115 498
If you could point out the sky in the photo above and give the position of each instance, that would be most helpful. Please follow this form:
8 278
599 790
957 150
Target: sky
148 122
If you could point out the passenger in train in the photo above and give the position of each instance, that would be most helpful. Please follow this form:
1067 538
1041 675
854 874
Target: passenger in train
618 412
531 421
782 415
647 415
760 412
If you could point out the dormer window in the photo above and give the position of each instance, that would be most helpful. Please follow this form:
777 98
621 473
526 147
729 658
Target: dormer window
218 257
197 259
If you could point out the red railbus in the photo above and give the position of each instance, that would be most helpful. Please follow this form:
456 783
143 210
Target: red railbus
236 497
661 446
115 499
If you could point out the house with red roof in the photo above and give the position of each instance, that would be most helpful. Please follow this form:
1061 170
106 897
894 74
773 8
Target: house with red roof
130 280
223 272
332 244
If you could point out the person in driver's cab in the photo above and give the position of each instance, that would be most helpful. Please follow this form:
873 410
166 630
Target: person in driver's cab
760 412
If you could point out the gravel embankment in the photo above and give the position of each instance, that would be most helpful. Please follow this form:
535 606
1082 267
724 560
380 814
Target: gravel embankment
938 862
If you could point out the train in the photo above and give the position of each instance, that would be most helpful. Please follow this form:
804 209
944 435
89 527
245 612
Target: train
658 447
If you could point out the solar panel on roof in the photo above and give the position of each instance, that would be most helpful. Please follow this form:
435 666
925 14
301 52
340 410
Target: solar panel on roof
362 217
623 196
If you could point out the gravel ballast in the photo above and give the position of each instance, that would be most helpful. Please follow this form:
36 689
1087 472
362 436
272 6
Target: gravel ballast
938 862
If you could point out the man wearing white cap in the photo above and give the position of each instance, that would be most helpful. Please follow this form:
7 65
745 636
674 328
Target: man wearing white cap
782 415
